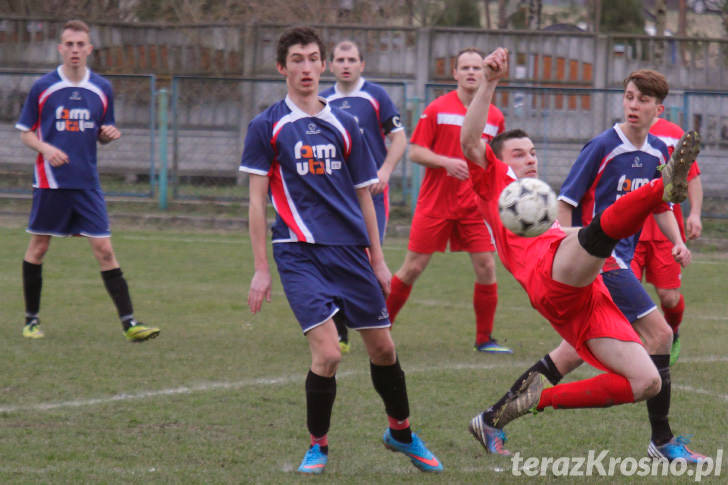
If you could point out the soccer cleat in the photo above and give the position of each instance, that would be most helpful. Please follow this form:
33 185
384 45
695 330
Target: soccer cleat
675 171
491 438
32 329
139 332
522 401
417 452
314 461
675 350
675 449
344 346
493 347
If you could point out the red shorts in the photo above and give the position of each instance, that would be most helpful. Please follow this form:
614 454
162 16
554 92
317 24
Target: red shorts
577 314
431 234
654 260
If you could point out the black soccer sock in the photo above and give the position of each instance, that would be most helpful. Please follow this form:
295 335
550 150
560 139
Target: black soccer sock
390 383
545 366
119 292
32 284
658 407
594 240
341 328
320 396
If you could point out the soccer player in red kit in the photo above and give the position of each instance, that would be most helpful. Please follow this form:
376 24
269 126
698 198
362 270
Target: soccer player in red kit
652 255
559 271
446 210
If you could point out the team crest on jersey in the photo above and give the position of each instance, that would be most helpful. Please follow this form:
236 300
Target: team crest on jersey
75 96
73 119
636 163
312 129
316 159
345 105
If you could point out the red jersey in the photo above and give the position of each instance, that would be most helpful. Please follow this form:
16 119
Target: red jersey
438 129
670 134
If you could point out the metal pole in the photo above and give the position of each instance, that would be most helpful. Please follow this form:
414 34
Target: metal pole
162 93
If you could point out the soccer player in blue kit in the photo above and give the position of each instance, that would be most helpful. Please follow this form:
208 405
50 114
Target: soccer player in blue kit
378 119
66 113
311 160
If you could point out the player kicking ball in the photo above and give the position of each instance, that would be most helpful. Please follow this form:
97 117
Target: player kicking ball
559 270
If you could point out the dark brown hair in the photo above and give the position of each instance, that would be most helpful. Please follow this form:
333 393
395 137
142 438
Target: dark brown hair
649 82
346 45
297 35
497 143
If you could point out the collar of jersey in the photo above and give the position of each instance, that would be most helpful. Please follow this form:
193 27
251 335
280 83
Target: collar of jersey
356 89
299 113
66 80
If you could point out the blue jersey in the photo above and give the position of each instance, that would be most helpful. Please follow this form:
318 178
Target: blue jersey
315 164
608 167
68 116
372 107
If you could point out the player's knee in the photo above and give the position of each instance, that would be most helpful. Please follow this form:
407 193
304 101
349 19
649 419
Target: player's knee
37 251
647 386
668 298
383 353
411 270
328 360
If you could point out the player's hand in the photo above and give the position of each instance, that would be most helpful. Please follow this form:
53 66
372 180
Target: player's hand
55 156
109 133
259 289
384 276
495 64
682 254
378 188
694 226
457 168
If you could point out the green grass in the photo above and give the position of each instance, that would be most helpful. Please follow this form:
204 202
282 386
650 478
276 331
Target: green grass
218 397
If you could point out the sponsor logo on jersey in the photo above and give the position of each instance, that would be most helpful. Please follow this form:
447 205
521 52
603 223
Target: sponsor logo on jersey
75 96
636 163
345 105
73 119
312 129
316 159
625 185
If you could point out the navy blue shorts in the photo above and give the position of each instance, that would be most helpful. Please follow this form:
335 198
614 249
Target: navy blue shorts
628 293
320 281
69 212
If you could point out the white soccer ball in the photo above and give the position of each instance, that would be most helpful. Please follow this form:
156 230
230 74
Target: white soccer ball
527 207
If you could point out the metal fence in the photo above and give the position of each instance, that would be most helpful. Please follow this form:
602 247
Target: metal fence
208 118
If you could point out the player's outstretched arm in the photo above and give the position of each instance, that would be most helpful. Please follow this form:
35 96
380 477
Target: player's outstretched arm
55 156
495 66
260 285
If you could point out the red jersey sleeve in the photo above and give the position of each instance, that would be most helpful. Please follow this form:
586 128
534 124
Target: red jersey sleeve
424 134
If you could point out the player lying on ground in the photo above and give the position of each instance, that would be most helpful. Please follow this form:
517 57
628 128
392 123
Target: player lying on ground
559 272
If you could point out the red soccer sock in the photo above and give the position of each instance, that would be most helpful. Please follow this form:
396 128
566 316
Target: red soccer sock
322 441
598 392
485 299
397 298
674 315
628 213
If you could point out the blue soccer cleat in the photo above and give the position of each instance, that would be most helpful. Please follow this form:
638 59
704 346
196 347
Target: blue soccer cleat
314 461
493 347
417 452
675 449
491 438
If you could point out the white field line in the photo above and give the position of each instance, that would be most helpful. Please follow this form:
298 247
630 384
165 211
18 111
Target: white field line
282 380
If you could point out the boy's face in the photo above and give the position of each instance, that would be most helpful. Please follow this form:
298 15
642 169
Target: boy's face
346 65
303 68
639 108
75 47
520 155
469 71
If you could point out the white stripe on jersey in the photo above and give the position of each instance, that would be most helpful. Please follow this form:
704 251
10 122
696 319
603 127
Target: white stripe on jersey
457 120
669 141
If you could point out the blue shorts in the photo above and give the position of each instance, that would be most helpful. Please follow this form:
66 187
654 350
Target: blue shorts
628 293
320 281
69 212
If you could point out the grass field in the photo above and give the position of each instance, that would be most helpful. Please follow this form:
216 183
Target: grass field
218 397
